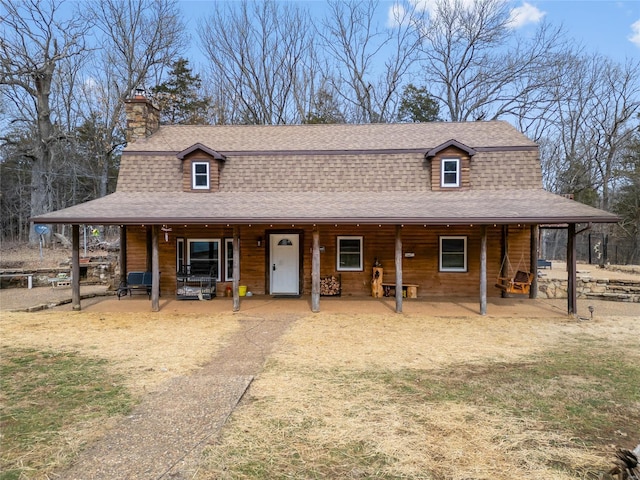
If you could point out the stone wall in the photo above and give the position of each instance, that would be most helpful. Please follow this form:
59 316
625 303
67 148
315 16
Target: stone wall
92 273
588 287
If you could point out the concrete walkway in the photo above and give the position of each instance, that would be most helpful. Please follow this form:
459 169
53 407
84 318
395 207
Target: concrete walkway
164 436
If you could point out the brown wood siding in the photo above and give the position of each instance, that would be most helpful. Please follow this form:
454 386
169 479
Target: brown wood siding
378 242
465 169
214 172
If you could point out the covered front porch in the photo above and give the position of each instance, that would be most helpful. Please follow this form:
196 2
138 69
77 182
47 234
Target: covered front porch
310 260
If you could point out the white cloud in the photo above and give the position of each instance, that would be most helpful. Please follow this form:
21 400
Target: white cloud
525 14
635 35
395 14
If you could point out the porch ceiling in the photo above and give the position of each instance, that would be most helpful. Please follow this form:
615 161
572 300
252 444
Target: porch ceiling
432 208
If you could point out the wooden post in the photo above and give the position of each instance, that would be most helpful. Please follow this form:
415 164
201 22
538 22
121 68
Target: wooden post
123 254
236 268
398 269
504 247
483 270
75 267
535 236
155 270
315 272
572 308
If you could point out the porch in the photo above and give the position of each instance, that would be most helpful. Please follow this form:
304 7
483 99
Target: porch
96 298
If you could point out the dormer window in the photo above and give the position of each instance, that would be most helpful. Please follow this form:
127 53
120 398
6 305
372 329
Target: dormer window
450 172
200 175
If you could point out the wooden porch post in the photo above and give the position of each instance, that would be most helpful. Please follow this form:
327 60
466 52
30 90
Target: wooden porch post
504 250
75 267
123 255
236 268
483 270
571 270
155 270
398 269
535 235
315 272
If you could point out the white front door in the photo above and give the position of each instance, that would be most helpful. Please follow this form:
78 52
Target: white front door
285 263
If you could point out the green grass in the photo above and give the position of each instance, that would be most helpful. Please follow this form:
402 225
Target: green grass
589 393
44 394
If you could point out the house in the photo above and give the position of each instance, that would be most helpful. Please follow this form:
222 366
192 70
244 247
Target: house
448 209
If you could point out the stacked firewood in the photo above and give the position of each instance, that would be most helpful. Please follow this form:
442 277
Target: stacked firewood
329 286
627 466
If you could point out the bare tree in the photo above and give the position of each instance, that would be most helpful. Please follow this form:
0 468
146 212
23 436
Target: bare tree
140 39
260 58
596 106
370 60
471 67
33 42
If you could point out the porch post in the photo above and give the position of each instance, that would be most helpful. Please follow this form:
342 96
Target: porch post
535 236
571 270
155 270
398 269
236 268
123 255
75 267
315 272
483 270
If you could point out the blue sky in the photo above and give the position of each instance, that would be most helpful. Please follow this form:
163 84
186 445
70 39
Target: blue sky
610 27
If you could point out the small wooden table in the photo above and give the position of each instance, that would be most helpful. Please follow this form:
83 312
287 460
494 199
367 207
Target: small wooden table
409 290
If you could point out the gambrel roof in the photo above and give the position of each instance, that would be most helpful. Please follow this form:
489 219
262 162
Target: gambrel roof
331 174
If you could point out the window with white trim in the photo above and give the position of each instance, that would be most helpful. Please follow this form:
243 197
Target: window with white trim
349 255
453 254
228 252
203 255
450 176
200 175
180 263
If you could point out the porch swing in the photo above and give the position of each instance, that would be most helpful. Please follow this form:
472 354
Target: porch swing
519 283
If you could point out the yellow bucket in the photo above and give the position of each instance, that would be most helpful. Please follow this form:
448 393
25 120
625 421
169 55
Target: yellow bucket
242 290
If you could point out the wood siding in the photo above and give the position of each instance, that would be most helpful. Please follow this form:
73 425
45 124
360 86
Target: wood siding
214 172
436 169
378 243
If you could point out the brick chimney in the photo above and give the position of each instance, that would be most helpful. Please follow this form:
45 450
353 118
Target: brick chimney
143 118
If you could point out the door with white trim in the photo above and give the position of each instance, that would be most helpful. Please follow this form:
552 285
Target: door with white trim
284 255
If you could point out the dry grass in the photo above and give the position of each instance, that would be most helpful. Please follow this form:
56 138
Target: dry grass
364 397
372 396
146 348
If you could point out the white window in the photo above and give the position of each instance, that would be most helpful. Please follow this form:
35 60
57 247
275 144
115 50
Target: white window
203 255
349 254
200 175
228 252
453 254
450 172
180 263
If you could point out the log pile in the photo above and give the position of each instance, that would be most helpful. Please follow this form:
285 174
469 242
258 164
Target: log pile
330 286
627 465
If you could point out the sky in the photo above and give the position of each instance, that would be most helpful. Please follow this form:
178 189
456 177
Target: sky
609 27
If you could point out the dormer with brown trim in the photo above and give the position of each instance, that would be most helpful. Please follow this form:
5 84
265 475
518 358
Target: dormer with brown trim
450 166
201 168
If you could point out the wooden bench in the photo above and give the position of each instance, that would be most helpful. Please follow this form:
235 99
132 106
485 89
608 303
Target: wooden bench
409 290
136 282
28 275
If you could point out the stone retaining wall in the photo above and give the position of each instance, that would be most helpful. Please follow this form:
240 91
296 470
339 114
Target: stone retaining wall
91 273
587 287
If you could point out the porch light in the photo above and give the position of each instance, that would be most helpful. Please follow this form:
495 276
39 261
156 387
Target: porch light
259 241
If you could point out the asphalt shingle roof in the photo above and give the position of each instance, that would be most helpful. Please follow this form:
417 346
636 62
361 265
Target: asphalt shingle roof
435 208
